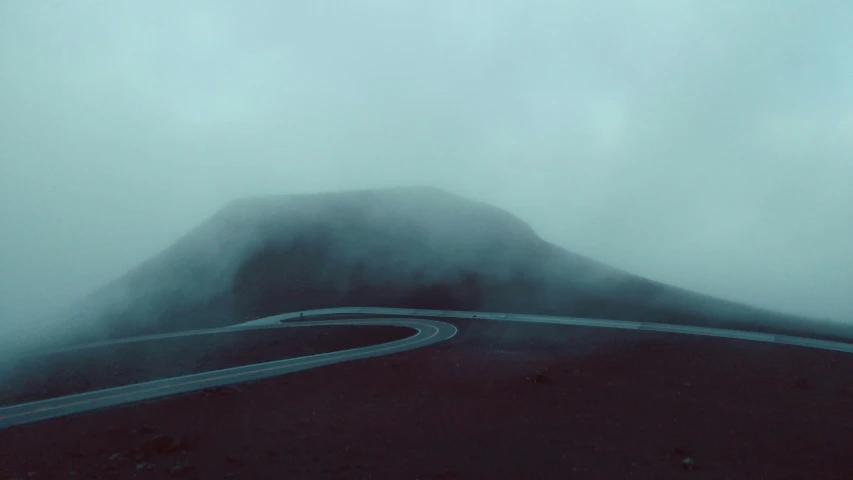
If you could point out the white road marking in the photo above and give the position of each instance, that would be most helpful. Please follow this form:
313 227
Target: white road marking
415 319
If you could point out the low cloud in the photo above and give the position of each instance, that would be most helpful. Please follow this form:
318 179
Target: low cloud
702 144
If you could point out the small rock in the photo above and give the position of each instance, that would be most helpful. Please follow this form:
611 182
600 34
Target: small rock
116 457
145 466
688 464
181 470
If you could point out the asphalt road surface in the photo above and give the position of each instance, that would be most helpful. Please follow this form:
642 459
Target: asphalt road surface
428 330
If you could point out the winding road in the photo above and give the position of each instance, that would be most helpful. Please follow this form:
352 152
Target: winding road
427 325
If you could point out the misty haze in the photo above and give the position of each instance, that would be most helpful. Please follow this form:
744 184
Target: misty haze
173 166
695 144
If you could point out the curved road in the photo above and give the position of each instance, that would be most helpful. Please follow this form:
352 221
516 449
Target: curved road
428 330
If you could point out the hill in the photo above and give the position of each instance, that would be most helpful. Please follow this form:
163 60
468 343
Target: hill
400 247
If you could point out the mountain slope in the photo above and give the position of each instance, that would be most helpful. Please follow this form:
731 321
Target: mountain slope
401 247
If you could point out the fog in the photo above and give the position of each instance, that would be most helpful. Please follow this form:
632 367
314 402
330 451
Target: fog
704 144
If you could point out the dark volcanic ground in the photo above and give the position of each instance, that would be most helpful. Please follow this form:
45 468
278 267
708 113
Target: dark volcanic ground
501 401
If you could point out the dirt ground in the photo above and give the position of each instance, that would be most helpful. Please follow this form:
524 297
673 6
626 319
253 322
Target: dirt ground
500 401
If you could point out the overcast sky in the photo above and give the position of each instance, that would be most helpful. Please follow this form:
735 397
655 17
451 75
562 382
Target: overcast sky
708 144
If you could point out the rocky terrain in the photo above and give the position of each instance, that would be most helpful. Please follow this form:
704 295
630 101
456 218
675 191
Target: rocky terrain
496 402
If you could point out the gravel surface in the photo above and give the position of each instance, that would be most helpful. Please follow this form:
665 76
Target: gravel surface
497 402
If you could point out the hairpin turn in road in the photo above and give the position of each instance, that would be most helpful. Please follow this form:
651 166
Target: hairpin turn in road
426 324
